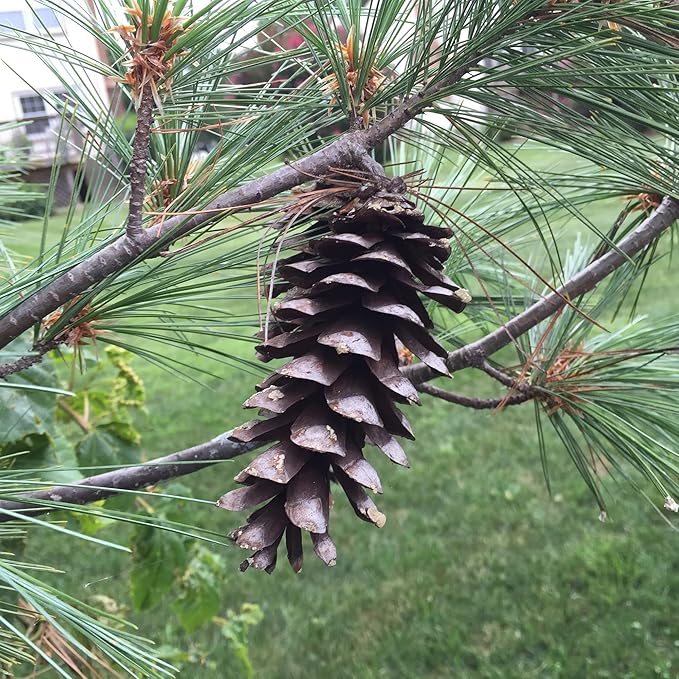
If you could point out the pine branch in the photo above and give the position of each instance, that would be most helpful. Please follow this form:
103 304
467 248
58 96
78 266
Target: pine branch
24 362
499 375
346 151
138 166
104 485
475 353
477 403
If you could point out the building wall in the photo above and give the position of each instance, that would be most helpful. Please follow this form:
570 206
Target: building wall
23 73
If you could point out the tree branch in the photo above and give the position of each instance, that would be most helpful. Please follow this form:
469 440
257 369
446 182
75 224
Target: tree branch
475 353
498 375
104 485
140 158
126 250
39 351
476 403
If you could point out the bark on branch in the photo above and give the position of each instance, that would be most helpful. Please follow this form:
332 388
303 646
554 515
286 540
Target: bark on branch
138 166
39 351
104 485
473 402
498 375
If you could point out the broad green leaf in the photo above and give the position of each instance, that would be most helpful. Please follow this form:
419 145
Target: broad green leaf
103 447
235 630
64 456
27 422
202 583
90 524
172 509
158 558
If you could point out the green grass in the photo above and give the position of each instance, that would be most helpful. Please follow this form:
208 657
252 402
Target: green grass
477 573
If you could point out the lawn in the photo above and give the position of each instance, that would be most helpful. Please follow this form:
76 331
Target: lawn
477 573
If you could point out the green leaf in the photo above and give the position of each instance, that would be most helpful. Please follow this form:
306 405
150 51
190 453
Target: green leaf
27 416
90 524
235 630
158 557
104 447
171 508
109 391
201 589
64 456
125 432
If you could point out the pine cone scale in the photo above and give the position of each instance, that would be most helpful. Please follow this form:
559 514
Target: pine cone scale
279 463
250 496
385 254
278 399
307 503
318 365
351 398
384 303
354 335
320 430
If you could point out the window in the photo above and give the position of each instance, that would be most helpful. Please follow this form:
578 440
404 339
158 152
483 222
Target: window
33 103
13 20
33 106
41 19
46 19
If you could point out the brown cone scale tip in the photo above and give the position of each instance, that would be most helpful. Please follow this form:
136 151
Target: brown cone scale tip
352 292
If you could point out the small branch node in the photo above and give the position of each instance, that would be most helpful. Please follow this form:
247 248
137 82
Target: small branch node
364 161
500 375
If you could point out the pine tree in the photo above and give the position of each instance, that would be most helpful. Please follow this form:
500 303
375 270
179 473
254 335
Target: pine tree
381 159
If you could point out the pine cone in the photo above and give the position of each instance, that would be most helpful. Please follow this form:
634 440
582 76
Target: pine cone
351 295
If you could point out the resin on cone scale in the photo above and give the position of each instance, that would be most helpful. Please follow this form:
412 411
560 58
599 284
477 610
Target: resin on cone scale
352 297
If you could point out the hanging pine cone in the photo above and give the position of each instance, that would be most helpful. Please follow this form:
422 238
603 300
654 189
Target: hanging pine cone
351 296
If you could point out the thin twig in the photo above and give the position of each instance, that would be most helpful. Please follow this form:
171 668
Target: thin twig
36 355
474 402
498 375
75 416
